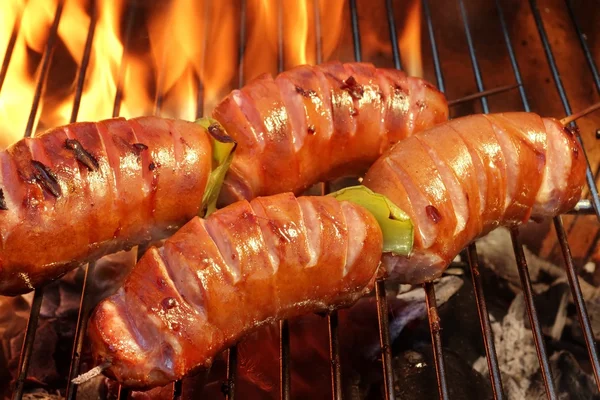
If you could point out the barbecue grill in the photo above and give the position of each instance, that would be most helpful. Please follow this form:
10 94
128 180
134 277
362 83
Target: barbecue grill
585 207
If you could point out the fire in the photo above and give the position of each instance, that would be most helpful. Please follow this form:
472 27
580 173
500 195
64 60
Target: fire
19 84
410 41
183 57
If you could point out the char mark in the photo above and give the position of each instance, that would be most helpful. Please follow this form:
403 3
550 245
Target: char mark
353 88
2 201
82 155
45 177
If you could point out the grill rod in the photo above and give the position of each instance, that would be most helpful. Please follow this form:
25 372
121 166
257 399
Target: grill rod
572 275
84 306
563 98
382 306
232 352
38 296
10 47
332 318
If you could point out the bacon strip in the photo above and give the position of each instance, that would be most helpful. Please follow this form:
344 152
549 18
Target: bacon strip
459 180
220 278
316 123
84 190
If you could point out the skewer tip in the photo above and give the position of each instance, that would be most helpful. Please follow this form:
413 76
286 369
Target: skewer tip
567 120
92 373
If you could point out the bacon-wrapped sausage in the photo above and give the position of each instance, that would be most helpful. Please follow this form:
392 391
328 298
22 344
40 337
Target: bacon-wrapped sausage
461 179
219 278
83 190
316 123
78 192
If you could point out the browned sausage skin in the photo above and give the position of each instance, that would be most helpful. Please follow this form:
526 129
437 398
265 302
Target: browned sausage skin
87 189
316 123
78 192
217 279
463 178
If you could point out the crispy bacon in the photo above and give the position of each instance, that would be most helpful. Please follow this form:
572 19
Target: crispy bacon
220 278
316 123
459 180
83 190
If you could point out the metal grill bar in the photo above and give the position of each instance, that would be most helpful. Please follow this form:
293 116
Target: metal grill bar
534 320
432 313
45 67
476 70
584 321
334 356
436 339
332 318
563 98
27 348
382 306
434 51
38 296
486 327
484 318
571 273
584 45
285 376
123 393
84 306
384 340
9 49
393 34
228 387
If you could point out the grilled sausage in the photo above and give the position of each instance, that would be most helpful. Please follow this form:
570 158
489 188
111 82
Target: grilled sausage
217 279
461 179
316 123
78 192
84 190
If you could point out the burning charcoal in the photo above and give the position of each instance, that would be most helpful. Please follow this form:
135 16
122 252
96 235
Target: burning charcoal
570 381
258 353
415 377
516 352
496 253
110 272
42 369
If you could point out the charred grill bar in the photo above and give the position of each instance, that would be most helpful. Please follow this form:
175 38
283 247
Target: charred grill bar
585 207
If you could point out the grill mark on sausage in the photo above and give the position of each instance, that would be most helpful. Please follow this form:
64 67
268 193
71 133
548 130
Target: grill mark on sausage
354 89
46 178
305 92
217 132
433 214
140 146
311 129
82 155
2 201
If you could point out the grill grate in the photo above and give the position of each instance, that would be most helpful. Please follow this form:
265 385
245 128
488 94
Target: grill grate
585 207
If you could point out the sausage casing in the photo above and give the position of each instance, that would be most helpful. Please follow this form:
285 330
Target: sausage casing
317 123
217 279
78 192
461 179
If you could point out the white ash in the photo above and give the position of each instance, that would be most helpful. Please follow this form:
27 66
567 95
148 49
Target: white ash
495 252
516 352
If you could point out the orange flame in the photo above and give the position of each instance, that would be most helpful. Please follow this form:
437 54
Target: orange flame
410 41
189 58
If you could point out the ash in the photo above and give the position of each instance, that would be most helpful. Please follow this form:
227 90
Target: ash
413 363
515 347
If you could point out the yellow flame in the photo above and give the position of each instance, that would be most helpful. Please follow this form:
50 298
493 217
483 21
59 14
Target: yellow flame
410 41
